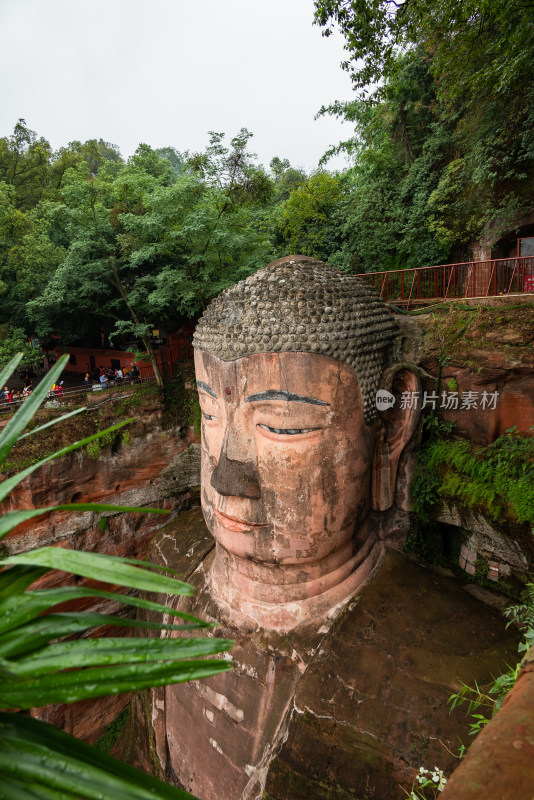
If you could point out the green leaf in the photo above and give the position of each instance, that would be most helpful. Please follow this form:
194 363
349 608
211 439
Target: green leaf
9 790
39 632
100 567
96 771
15 580
113 650
69 687
22 608
11 519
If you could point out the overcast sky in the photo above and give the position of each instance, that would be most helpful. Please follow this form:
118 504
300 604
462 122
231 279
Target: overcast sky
165 72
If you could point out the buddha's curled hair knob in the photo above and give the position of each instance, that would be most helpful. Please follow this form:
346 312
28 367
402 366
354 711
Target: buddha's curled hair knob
323 309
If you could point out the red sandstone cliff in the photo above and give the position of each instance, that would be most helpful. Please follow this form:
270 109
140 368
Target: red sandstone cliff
160 469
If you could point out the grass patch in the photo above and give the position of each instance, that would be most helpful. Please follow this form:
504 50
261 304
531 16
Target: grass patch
508 329
128 402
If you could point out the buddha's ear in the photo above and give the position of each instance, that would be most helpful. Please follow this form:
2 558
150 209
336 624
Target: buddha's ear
396 426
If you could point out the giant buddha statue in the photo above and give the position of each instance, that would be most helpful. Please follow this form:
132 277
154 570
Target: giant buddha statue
288 363
345 650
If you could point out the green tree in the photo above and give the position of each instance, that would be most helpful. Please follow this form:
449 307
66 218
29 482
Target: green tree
13 340
94 152
94 275
399 151
198 241
231 170
306 218
24 164
447 85
479 49
175 159
27 258
286 178
144 246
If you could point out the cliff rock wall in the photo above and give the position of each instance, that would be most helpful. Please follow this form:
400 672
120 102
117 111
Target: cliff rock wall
158 468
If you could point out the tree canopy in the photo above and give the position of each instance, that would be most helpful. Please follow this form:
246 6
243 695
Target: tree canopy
442 147
476 48
444 113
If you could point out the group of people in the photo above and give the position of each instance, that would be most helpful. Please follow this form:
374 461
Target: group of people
11 396
107 376
56 390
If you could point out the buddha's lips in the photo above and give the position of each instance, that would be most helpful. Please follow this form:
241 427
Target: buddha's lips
238 525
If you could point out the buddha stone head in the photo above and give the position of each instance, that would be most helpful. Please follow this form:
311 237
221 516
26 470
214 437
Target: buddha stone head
288 362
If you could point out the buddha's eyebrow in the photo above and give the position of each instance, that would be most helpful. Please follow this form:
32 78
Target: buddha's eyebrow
206 388
275 394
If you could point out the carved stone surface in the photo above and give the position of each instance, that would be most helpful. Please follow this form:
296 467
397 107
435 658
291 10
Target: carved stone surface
345 709
288 363
286 475
299 304
515 554
332 694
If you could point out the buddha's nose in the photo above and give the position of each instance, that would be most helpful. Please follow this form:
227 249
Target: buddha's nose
235 476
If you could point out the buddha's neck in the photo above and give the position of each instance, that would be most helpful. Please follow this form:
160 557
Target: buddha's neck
282 596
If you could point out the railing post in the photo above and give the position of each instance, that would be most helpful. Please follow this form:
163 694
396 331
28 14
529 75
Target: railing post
491 277
383 285
513 273
411 288
446 291
469 274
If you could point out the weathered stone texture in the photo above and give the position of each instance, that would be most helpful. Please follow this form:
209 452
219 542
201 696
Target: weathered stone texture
159 470
351 709
300 304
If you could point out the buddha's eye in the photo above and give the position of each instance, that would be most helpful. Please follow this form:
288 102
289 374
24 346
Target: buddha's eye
287 431
208 416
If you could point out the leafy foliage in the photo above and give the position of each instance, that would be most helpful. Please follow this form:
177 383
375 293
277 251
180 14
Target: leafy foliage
498 478
489 699
479 48
50 657
306 218
151 240
12 341
427 779
398 151
444 115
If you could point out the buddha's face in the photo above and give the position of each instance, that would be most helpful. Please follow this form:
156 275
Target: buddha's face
286 455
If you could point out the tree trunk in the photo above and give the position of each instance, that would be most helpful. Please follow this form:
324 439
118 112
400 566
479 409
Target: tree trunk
145 339
154 361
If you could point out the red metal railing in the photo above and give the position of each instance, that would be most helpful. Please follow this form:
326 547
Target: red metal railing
491 278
